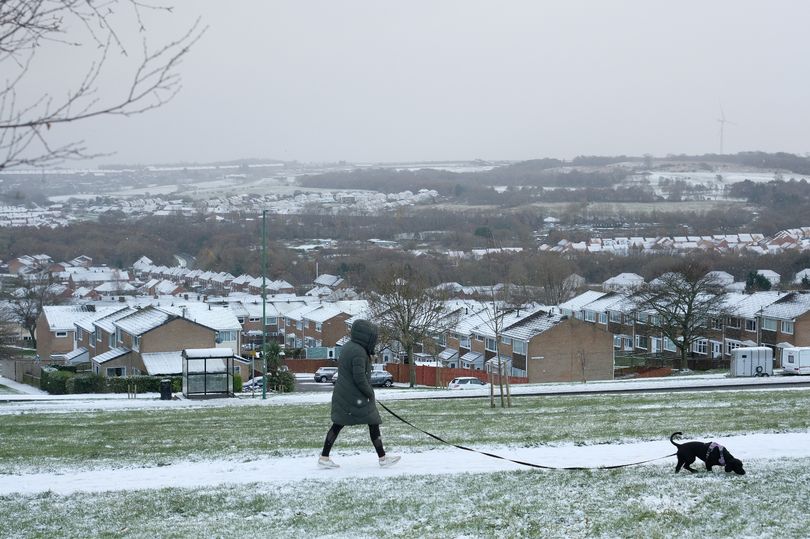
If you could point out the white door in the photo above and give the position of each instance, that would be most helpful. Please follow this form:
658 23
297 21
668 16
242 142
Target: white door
717 349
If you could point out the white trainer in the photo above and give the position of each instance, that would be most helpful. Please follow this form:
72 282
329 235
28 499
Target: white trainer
326 462
389 460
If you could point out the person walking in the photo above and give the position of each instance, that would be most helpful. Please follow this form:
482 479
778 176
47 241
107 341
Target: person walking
353 400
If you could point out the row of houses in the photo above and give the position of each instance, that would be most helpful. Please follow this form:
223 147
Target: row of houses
138 337
794 239
778 319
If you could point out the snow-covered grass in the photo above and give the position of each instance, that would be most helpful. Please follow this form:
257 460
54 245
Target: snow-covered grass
648 501
246 467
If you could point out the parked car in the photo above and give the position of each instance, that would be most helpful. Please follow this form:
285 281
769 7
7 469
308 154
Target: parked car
325 374
382 378
378 378
254 384
466 382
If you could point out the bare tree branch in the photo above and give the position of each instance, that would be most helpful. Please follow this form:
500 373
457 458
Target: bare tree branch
28 26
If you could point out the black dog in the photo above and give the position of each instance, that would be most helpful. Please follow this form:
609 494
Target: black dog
713 454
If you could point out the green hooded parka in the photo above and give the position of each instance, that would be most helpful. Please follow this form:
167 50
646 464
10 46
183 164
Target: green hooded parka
353 400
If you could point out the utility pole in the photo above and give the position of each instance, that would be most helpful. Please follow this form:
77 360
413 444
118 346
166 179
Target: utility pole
264 304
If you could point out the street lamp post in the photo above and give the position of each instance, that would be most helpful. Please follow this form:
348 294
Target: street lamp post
264 304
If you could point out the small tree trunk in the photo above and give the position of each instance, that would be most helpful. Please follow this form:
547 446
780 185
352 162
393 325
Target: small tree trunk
412 370
500 380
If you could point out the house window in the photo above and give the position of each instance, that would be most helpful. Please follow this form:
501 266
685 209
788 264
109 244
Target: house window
641 318
768 324
732 322
255 319
641 342
136 343
299 325
506 340
490 345
787 327
464 342
479 337
115 372
309 342
79 334
616 316
272 321
99 335
750 324
717 324
669 346
699 346
519 347
61 334
617 342
119 336
590 316
92 340
628 344
603 318
655 320
226 336
111 340
318 327
441 338
241 319
732 345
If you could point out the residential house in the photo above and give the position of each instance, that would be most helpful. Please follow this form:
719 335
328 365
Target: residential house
55 330
151 330
623 281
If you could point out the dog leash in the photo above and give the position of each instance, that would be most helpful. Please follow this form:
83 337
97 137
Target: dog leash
521 462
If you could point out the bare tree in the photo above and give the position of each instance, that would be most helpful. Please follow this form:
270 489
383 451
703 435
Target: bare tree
682 301
408 311
32 29
27 299
7 329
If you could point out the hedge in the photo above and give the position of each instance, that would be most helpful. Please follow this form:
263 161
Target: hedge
142 384
60 382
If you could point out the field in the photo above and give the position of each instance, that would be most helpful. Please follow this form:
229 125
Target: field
436 491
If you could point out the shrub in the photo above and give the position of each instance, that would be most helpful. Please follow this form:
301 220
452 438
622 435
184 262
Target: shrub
57 382
143 384
281 381
237 383
86 383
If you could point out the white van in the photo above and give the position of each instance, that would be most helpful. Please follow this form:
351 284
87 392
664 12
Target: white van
796 360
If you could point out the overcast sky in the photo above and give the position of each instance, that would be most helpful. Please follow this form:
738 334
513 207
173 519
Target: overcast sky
419 80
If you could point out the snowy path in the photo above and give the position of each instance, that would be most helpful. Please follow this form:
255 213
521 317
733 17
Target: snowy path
442 461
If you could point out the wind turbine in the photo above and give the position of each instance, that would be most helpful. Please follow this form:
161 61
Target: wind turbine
723 122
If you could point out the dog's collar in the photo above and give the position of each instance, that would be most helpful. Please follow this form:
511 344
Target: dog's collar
722 459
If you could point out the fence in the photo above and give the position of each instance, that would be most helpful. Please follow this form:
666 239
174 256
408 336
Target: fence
307 365
630 361
440 376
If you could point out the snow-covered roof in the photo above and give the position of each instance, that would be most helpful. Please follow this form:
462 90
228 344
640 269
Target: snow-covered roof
576 303
141 321
533 325
63 317
789 307
109 355
163 363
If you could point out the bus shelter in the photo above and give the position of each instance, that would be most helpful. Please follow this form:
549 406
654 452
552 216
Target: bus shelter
208 372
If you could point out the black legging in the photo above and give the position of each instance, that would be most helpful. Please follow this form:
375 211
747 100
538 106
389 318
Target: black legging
373 431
